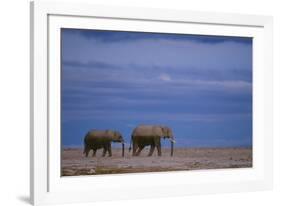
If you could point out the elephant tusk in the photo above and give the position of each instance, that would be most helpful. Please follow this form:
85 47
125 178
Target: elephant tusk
172 140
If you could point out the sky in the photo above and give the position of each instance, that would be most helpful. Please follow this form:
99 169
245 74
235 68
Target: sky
199 86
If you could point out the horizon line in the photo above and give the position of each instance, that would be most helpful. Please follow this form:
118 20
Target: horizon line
165 147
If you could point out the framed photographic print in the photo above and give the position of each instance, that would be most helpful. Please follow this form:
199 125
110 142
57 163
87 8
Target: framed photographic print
145 103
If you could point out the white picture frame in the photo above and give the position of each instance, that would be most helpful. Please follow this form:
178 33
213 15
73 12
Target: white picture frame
47 186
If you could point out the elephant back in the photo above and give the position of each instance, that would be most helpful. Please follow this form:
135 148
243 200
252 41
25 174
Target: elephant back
147 130
96 134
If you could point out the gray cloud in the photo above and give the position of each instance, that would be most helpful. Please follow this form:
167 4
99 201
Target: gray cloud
162 53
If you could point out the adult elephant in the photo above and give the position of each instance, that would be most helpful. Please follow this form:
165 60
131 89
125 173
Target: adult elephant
144 135
97 139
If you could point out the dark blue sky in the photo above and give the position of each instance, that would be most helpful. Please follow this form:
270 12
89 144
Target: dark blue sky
200 86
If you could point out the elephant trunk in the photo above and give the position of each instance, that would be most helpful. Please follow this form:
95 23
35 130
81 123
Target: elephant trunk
123 149
130 145
172 146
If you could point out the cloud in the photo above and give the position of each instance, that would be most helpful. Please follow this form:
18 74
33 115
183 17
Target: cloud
106 36
149 54
88 65
165 77
151 116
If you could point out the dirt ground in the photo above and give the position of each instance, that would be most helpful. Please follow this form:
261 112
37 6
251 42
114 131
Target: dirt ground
74 163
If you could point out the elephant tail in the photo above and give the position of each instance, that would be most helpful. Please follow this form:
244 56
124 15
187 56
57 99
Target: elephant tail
84 152
130 144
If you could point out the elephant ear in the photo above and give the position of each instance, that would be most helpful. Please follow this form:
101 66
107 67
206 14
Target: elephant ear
164 131
110 133
115 135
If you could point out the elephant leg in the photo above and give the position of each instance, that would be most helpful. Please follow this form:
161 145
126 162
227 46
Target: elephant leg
158 146
87 153
104 151
157 142
87 150
134 149
109 150
139 150
94 152
152 147
159 149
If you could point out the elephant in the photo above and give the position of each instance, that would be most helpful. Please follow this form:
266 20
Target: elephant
144 135
97 139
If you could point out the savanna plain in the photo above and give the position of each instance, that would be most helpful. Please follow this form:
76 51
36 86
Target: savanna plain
75 163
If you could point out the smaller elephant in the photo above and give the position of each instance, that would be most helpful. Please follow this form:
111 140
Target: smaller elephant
97 139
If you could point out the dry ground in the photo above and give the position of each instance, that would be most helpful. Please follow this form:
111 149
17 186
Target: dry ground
74 162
